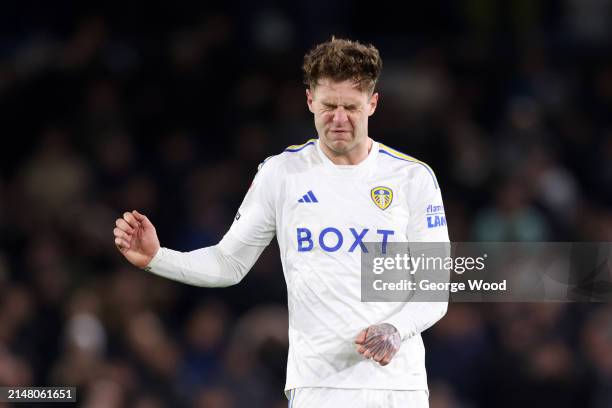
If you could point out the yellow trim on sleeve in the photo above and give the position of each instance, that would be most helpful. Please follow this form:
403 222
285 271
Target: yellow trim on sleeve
292 147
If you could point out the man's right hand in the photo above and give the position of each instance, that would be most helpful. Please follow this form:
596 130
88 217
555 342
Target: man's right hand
136 239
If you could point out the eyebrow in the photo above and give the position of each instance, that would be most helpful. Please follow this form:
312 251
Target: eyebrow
347 106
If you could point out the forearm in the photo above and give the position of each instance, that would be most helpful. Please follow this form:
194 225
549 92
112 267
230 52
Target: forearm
221 265
416 317
425 307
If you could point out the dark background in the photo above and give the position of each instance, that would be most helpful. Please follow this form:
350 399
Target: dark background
169 109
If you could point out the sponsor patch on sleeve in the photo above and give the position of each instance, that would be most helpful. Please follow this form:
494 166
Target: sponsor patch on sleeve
435 216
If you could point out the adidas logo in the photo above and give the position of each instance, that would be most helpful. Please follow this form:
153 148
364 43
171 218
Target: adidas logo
309 197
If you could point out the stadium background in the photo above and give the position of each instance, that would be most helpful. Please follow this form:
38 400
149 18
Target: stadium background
169 110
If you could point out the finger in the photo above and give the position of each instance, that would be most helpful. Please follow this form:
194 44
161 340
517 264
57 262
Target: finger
122 234
129 217
139 217
367 353
361 349
385 361
122 243
123 225
378 349
385 348
373 341
360 337
389 356
381 354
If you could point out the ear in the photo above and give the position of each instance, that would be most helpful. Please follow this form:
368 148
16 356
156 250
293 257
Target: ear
309 99
373 103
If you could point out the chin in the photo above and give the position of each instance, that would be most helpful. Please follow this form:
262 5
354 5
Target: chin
340 141
341 146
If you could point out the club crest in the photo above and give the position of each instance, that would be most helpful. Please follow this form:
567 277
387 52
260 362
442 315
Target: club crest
382 197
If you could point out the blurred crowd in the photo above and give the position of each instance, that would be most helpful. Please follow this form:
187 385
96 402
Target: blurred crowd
169 111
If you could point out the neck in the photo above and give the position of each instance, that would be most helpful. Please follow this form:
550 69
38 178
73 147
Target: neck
352 157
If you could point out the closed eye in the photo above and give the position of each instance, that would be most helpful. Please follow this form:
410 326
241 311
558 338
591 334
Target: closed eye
328 106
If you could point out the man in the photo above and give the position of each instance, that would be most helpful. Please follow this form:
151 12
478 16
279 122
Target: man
324 199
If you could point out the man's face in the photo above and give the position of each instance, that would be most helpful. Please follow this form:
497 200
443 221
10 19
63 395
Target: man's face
341 111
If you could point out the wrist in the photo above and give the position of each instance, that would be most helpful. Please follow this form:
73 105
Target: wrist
154 260
395 328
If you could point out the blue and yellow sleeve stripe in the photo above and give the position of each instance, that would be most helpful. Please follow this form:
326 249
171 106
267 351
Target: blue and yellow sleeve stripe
291 396
297 148
401 156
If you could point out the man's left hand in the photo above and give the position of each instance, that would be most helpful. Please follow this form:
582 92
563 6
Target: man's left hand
379 342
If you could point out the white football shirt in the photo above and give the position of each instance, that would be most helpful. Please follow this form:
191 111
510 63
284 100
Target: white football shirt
321 213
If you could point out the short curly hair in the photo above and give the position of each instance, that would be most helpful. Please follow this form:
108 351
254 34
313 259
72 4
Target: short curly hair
340 60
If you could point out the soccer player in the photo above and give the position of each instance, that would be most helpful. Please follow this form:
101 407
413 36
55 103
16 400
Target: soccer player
324 199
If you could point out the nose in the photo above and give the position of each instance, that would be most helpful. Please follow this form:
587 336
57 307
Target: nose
340 115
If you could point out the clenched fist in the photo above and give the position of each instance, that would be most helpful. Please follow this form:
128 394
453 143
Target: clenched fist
379 342
136 239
